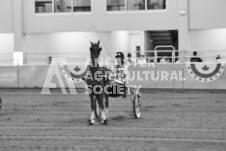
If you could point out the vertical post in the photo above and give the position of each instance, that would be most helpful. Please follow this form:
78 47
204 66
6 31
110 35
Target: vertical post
53 6
17 25
18 73
142 43
18 32
145 5
72 6
183 33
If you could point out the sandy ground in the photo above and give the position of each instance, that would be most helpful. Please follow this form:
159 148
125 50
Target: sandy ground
171 120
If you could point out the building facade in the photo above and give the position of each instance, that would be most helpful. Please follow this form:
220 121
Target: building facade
48 27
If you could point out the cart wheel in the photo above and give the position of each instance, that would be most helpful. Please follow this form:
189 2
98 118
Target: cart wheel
137 106
0 103
96 110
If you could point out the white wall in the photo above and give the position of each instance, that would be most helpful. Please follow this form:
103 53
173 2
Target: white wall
6 17
6 49
74 45
6 43
207 14
120 41
214 39
211 42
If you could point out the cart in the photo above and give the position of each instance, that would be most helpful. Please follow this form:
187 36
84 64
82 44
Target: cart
132 91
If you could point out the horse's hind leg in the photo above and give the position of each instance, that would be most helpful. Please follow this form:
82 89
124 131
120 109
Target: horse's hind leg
92 117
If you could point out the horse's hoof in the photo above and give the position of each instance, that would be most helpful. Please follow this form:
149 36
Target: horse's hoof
104 122
90 122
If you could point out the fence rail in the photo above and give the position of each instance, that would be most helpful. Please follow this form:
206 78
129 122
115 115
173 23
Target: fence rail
153 56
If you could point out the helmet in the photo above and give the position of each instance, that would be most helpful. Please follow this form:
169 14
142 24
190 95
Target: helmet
119 55
129 55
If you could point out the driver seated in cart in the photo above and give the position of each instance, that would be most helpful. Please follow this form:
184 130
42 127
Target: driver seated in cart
118 76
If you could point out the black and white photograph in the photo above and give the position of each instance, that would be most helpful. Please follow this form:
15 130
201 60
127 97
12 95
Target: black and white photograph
112 75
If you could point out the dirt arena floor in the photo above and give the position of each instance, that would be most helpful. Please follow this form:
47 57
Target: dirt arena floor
171 120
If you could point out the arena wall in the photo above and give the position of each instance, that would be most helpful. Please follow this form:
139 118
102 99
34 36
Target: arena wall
38 77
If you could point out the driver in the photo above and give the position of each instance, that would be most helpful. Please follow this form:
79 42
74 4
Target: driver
119 71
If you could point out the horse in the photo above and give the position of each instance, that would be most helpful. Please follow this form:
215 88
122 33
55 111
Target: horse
96 85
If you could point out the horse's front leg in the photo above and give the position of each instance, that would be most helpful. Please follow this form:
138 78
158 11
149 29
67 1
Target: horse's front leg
106 105
92 116
100 98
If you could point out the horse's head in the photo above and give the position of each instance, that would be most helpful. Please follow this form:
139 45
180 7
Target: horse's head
95 50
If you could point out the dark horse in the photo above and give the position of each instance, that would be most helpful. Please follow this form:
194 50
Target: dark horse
96 85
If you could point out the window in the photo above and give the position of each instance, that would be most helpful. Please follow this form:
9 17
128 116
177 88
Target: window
115 5
135 4
130 5
62 6
81 5
43 6
156 4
